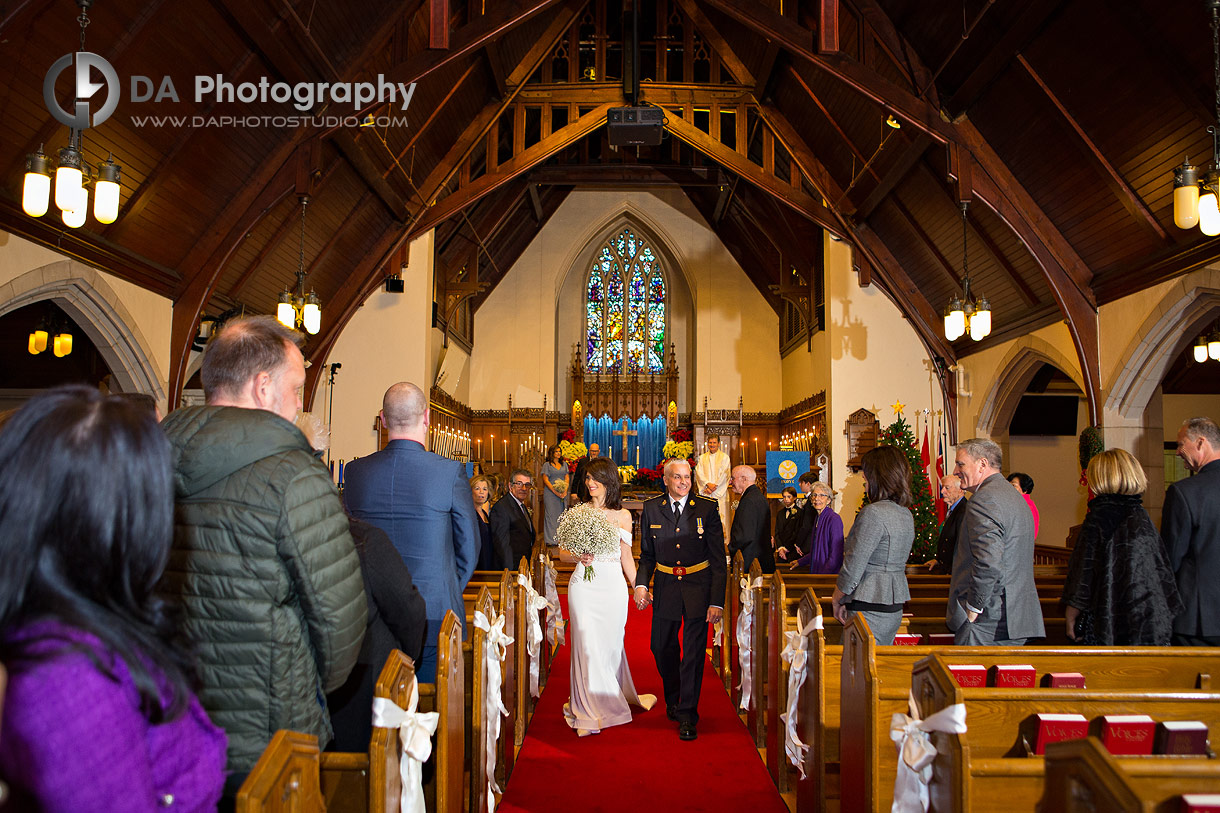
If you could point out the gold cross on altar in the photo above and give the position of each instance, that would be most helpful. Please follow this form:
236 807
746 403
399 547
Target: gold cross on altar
624 432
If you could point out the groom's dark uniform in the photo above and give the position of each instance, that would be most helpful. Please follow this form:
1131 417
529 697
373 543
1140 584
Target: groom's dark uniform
684 558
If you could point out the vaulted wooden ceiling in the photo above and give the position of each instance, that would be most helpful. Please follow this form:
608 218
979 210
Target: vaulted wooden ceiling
1059 120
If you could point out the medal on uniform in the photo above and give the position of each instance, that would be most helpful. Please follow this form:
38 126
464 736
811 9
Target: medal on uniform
699 524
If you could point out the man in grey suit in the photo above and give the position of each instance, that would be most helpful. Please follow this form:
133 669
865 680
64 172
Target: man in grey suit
422 501
1190 526
992 597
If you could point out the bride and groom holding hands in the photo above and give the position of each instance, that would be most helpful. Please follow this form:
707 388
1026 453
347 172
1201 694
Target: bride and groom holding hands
682 555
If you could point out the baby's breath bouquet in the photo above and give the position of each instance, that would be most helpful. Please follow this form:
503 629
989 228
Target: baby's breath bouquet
585 529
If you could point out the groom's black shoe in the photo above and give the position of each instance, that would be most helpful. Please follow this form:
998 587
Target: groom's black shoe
686 731
671 713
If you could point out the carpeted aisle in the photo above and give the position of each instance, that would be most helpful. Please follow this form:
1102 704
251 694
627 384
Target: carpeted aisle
642 765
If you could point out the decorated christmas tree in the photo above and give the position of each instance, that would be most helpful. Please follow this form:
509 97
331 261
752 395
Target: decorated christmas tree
899 434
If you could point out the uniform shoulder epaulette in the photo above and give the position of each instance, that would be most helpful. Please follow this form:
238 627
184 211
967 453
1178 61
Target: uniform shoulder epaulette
659 497
712 500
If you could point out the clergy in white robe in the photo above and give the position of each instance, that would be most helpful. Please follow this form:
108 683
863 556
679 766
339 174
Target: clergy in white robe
712 477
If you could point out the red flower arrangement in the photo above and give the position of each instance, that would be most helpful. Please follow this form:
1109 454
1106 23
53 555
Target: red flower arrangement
680 435
569 435
648 478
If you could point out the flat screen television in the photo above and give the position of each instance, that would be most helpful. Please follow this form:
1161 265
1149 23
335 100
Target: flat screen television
1045 415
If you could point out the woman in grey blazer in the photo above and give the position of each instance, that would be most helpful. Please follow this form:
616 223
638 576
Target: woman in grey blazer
873 581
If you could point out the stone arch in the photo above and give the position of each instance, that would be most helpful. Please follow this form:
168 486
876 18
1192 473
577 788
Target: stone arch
680 329
1016 371
1187 307
86 296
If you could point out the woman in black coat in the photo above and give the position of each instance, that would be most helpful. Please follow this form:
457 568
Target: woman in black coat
1119 590
397 620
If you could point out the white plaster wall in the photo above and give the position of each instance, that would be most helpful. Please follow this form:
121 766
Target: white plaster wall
1179 408
875 359
150 312
390 339
517 330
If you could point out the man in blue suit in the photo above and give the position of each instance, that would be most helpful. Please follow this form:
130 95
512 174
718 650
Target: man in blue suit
422 501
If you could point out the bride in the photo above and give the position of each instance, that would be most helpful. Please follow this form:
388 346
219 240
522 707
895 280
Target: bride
601 679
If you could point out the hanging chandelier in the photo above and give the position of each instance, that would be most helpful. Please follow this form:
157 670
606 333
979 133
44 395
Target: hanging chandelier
296 308
1208 347
1195 199
965 314
73 174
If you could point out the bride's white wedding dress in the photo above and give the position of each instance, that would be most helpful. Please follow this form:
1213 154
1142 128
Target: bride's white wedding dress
602 688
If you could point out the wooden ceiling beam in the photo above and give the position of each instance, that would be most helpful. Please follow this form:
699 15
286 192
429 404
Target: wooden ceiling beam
486 224
739 164
372 176
899 169
929 244
465 144
728 56
1034 17
630 175
470 38
896 48
523 161
1117 183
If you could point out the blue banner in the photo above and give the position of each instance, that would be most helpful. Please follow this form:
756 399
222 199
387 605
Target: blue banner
784 469
643 448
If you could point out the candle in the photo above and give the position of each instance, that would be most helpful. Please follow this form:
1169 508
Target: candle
492 446
755 451
637 457
505 450
340 473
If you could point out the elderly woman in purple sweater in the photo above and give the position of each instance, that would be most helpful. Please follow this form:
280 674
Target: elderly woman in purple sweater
826 547
99 713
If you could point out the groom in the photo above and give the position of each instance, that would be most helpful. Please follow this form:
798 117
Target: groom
682 541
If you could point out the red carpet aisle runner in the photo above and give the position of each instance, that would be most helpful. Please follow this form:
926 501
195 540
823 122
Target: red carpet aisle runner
642 765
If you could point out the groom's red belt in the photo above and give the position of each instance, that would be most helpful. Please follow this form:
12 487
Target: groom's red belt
682 571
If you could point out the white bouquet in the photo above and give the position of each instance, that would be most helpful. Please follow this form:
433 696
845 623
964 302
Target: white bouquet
584 529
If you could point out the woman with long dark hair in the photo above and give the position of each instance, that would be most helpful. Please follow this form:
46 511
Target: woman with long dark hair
602 690
873 581
99 711
554 493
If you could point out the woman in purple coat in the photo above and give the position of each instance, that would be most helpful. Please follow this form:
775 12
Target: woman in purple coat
99 713
826 546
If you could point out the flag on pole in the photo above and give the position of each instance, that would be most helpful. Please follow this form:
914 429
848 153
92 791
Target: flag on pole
941 508
925 458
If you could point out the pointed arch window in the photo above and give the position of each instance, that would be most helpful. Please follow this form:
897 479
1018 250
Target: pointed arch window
625 305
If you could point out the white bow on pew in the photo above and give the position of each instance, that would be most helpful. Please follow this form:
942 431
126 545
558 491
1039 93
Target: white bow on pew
533 630
916 752
745 629
554 610
796 655
494 650
415 730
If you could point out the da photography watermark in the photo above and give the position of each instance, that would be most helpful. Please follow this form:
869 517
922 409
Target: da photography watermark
217 90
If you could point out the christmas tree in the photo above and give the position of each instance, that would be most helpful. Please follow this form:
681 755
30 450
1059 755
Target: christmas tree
926 530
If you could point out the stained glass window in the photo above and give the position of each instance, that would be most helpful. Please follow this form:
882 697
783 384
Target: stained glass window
625 308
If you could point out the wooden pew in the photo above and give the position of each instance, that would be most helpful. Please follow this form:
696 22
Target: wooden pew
449 750
1083 777
732 608
478 718
756 715
876 680
984 769
285 778
817 716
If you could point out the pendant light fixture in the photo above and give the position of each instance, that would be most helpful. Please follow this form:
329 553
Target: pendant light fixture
965 314
1194 198
73 174
297 309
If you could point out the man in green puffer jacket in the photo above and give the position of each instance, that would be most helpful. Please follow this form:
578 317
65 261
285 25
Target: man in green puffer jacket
263 565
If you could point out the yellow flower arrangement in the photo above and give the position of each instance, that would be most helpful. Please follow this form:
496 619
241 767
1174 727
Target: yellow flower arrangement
674 450
571 452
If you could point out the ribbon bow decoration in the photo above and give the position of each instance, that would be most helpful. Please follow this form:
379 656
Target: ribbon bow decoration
415 730
554 610
796 655
494 651
533 630
916 752
745 630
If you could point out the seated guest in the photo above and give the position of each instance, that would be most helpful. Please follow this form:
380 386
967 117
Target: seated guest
99 712
398 619
873 579
480 492
1024 484
512 523
787 523
825 553
804 502
1120 589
